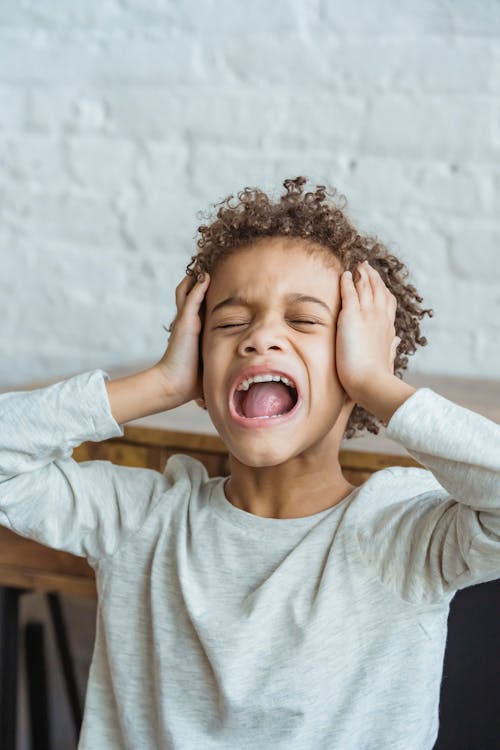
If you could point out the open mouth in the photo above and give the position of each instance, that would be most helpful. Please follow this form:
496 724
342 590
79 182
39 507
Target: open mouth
266 403
250 405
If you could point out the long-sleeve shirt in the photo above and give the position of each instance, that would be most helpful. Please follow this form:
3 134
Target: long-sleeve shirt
221 630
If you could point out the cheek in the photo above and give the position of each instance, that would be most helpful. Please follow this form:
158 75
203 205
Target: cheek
324 346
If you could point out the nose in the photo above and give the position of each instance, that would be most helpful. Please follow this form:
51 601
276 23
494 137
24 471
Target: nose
261 337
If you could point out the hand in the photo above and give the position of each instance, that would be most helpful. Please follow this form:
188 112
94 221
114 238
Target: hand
179 364
366 343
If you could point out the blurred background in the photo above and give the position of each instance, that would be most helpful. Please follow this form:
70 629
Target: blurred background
122 122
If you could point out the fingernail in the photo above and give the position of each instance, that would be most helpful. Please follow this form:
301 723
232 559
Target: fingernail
348 274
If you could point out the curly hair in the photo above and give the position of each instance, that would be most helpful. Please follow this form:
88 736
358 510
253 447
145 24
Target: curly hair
311 216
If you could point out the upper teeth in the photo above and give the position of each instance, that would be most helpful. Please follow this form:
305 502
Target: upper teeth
245 384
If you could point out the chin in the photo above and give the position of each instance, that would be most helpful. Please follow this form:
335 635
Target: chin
259 458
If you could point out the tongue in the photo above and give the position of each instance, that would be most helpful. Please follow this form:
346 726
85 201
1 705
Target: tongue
266 400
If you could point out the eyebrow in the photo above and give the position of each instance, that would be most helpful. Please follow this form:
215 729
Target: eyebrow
239 301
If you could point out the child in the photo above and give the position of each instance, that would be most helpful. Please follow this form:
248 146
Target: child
281 607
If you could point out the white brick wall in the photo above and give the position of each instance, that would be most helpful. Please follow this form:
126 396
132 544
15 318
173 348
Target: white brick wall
120 120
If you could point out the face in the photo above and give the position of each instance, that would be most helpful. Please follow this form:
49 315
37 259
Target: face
267 325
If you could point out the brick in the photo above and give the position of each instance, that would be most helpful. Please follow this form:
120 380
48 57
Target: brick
87 322
294 60
58 14
449 349
384 184
14 15
32 160
12 108
216 173
162 220
474 251
387 18
101 163
482 18
407 126
151 278
459 303
300 119
462 191
99 273
223 17
486 351
218 115
493 204
351 65
41 57
496 114
145 111
123 123
67 109
76 217
162 165
414 239
76 57
417 65
20 363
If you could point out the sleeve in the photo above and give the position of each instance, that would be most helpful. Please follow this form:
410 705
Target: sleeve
448 537
86 508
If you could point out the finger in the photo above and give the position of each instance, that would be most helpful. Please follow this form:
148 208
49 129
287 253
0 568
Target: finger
381 293
195 296
364 287
186 287
348 290
181 291
379 289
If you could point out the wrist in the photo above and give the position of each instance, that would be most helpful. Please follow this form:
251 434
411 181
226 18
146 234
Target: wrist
138 395
163 388
383 396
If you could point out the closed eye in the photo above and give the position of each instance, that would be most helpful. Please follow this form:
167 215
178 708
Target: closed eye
235 325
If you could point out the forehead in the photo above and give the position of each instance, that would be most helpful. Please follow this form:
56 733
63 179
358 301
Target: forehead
273 268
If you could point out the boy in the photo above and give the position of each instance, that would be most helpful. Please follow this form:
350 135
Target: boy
280 607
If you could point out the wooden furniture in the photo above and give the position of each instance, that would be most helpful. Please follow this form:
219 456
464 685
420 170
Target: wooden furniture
148 442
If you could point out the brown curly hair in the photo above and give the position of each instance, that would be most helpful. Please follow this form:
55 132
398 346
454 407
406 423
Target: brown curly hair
312 217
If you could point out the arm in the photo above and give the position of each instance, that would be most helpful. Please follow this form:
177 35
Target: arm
427 533
86 508
89 507
384 396
439 530
139 395
175 379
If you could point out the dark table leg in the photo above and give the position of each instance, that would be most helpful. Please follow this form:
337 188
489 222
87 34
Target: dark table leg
9 619
66 661
36 678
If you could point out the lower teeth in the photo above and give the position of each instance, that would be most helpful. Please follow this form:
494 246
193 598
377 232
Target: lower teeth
266 416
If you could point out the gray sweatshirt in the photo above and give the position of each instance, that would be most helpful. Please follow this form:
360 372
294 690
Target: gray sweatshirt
219 629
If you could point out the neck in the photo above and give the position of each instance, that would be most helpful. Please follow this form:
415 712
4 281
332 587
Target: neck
265 494
305 484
